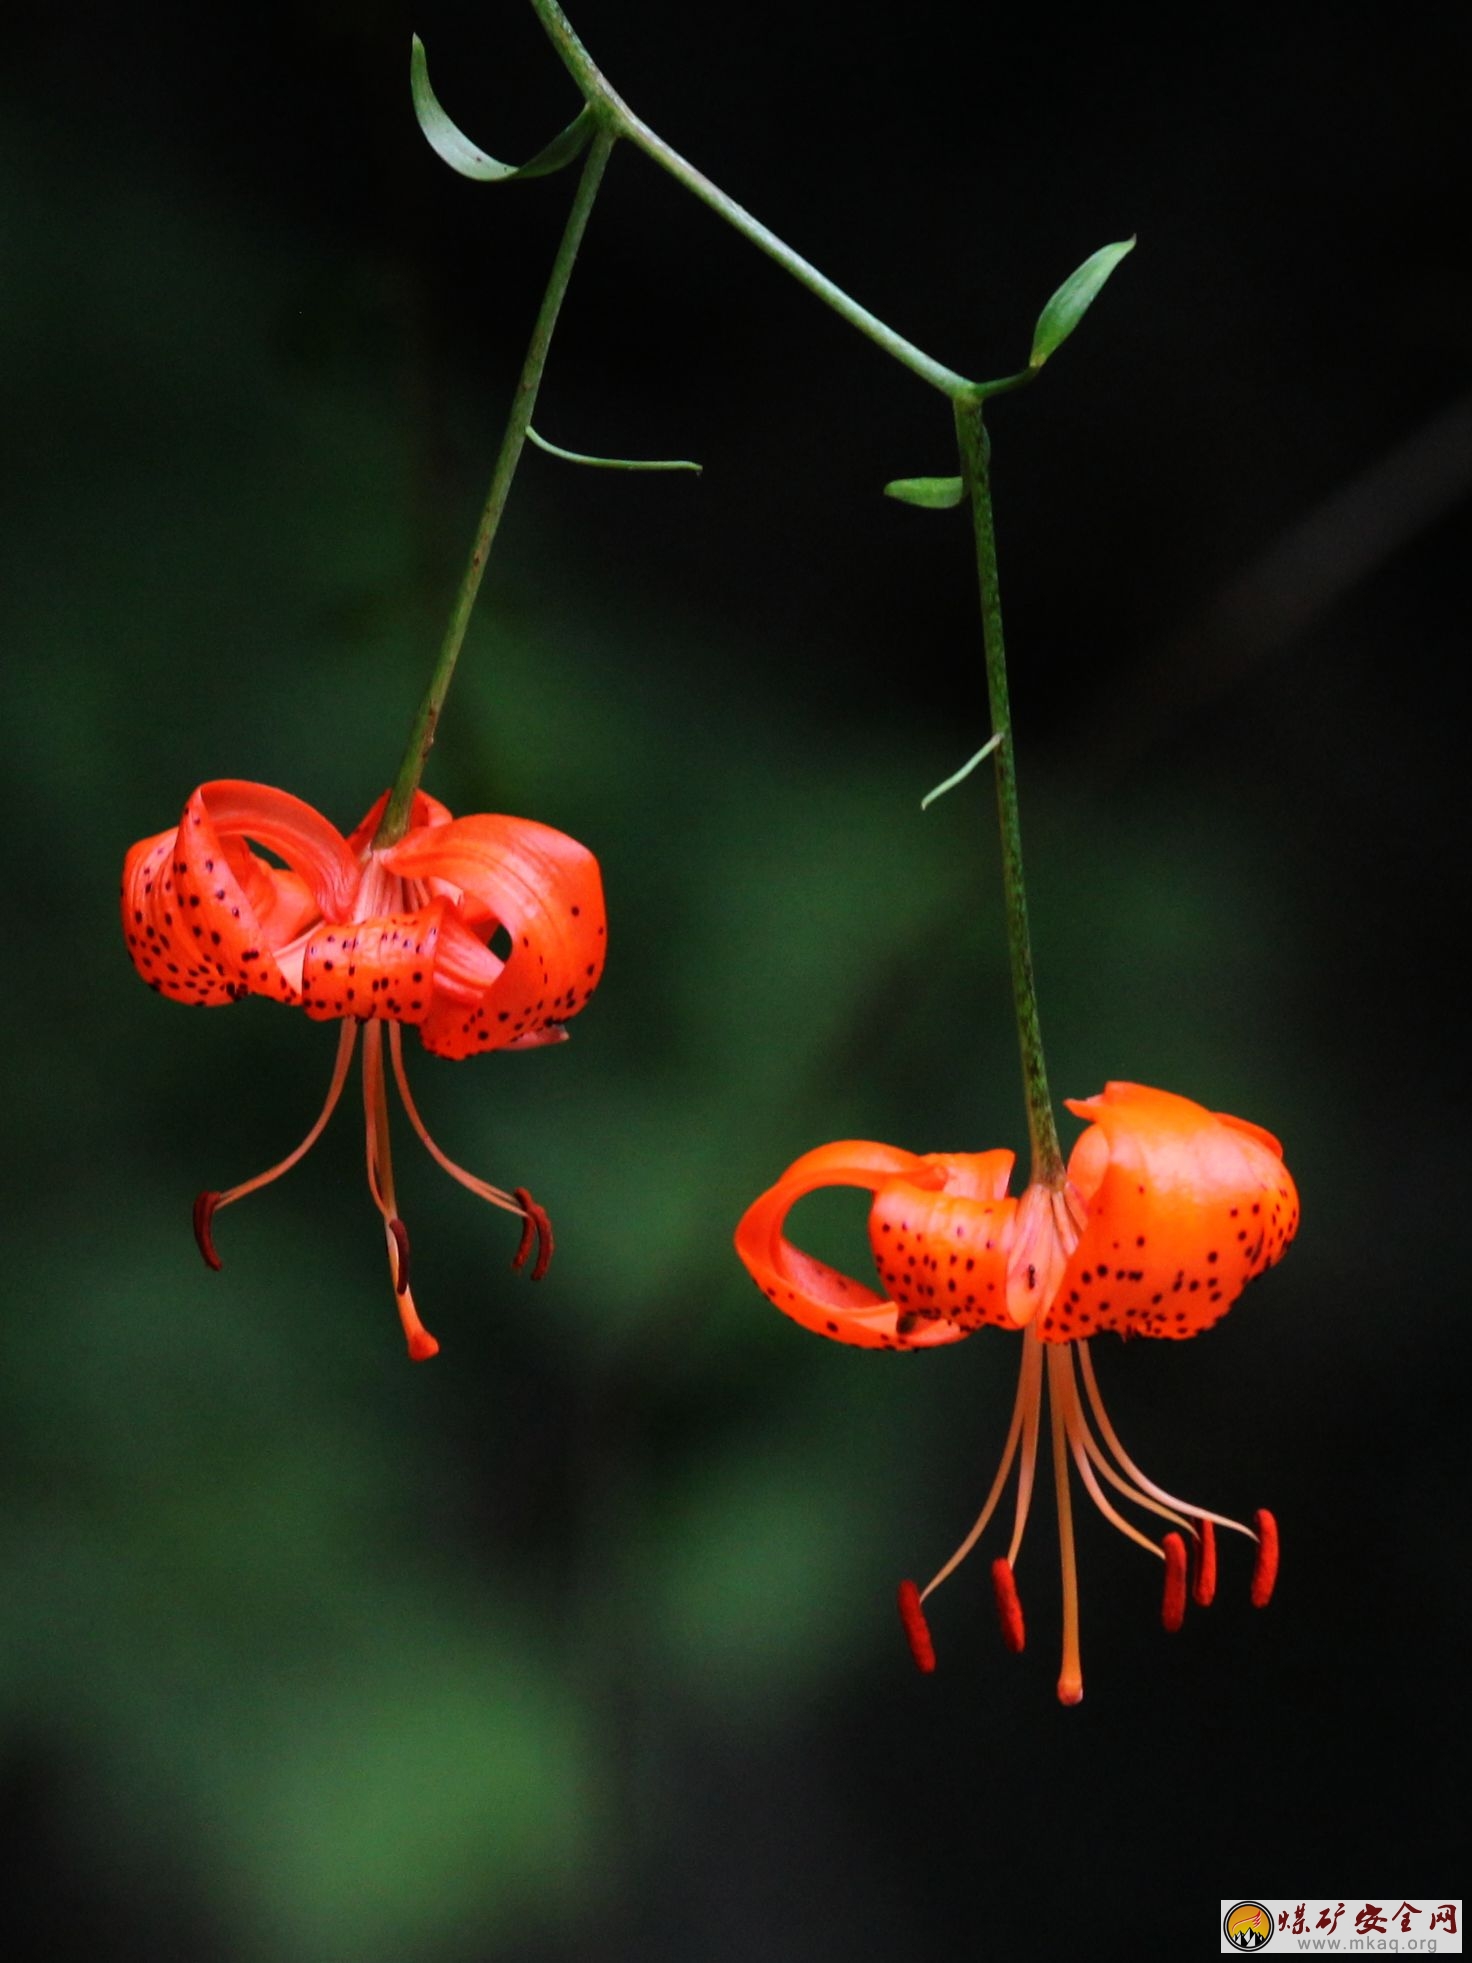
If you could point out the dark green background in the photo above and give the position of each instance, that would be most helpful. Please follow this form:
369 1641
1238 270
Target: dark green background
578 1643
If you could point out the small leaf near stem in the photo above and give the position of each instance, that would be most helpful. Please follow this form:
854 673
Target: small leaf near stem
960 776
609 463
454 147
1073 299
975 447
928 493
395 820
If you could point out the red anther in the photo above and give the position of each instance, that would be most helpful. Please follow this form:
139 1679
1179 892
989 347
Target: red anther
204 1213
1009 1607
535 1225
1265 1573
917 1629
1203 1587
401 1251
1173 1602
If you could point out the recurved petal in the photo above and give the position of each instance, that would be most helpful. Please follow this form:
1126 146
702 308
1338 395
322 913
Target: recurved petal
1185 1207
545 889
942 1252
291 829
813 1294
161 943
212 904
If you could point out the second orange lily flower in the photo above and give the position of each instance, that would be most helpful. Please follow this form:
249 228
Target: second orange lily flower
1167 1211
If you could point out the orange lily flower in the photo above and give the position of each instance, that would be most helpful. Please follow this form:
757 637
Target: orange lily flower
1166 1212
486 933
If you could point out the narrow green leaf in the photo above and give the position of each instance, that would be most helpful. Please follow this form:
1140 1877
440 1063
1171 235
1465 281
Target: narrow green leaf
610 463
930 493
1073 299
455 147
960 776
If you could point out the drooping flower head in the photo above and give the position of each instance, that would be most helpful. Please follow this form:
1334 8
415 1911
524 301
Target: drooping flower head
485 933
1167 1212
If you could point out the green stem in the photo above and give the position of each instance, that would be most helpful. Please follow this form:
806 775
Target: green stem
1047 1159
395 820
615 114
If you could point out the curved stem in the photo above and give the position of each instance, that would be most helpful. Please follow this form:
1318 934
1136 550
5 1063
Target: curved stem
616 115
967 399
395 821
1047 1158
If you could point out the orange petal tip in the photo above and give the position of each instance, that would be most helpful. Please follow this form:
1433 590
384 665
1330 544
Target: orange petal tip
1070 1689
1265 1572
422 1346
917 1629
1173 1601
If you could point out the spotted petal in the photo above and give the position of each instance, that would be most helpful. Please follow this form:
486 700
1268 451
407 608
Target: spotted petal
1185 1207
544 889
205 916
813 1294
941 1248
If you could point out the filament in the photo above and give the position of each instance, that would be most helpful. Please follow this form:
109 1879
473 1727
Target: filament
1023 1412
209 1204
345 1044
1078 1438
1032 1384
480 1187
1111 1437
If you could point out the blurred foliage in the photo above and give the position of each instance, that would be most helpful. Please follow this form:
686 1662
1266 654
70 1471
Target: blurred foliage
579 1641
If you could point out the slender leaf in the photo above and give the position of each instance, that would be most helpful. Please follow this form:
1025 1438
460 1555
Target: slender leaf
959 776
610 463
1073 299
451 143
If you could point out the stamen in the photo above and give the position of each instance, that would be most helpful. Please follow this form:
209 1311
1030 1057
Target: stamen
1265 1572
1030 1387
917 1630
1070 1676
204 1213
535 1224
1203 1588
1080 1440
482 1188
208 1204
1009 1607
1024 1404
1173 1603
1111 1438
1122 1485
400 1234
